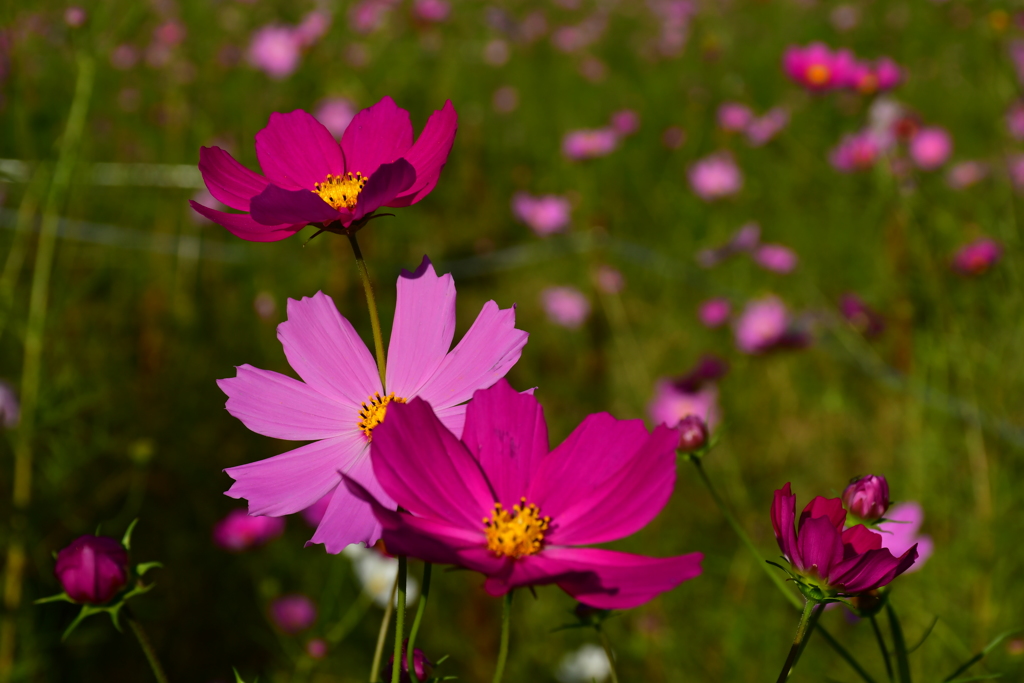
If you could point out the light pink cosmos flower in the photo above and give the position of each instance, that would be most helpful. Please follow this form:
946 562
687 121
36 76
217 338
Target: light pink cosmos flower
965 174
340 401
589 144
856 152
715 176
763 130
311 179
734 117
762 325
312 28
714 312
545 214
240 531
899 532
434 11
776 258
497 501
931 147
275 50
565 306
695 393
335 113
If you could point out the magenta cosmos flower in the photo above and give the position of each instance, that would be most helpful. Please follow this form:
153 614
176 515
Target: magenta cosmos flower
826 556
977 257
240 531
497 502
310 178
341 402
931 147
816 67
293 613
900 532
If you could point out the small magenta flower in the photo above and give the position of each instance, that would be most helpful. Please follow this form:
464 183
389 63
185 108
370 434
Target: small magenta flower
545 214
930 147
816 67
899 532
311 179
1015 120
776 258
977 257
293 613
693 433
867 497
75 16
829 559
734 117
763 130
420 664
565 306
496 502
857 152
589 144
10 408
241 531
432 11
694 393
625 122
864 319
762 325
93 569
317 648
868 79
965 174
714 312
715 176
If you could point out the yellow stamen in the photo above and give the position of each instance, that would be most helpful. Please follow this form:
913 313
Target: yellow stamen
341 190
818 74
373 412
518 533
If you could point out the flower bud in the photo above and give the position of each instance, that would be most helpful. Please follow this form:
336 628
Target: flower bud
693 433
867 497
93 569
420 664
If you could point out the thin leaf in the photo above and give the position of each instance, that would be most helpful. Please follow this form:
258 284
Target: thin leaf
144 567
899 645
927 632
126 540
986 677
981 655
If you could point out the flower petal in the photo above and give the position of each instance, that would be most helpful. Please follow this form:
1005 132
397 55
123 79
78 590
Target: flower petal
383 186
506 433
227 180
242 225
622 477
296 151
453 418
820 546
871 570
350 519
858 539
783 514
426 470
276 205
429 153
824 507
377 135
280 407
323 347
490 348
423 330
293 481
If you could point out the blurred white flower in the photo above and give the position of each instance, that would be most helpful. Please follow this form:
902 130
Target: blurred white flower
377 572
589 663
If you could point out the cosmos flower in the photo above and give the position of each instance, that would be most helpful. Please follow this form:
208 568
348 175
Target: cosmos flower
762 325
930 147
869 78
965 174
293 613
734 117
763 130
565 306
545 214
496 501
341 402
816 67
311 179
864 319
715 176
589 144
899 532
776 258
240 531
857 152
714 312
275 50
867 497
977 257
694 393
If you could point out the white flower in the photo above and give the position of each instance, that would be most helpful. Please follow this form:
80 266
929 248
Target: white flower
377 574
589 663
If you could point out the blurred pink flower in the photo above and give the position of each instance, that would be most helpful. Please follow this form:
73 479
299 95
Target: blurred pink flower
862 317
977 257
776 258
544 214
609 280
335 113
869 78
965 174
432 10
368 16
1015 120
312 28
496 52
694 393
240 531
734 117
844 17
762 325
274 50
625 122
317 648
293 613
930 147
715 176
565 306
124 57
1016 49
10 408
762 130
714 312
206 199
314 514
505 99
816 67
170 33
899 532
589 144
856 152
673 137
75 16
265 305
1015 169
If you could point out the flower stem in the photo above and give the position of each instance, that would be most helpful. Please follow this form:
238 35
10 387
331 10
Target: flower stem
371 303
420 609
506 620
147 648
378 653
881 646
606 644
799 640
403 570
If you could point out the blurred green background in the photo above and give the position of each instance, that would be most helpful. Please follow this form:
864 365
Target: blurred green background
147 307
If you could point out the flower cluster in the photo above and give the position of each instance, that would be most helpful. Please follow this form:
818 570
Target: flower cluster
818 68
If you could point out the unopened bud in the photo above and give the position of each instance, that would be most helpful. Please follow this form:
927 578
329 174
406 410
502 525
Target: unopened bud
420 664
693 433
867 497
93 569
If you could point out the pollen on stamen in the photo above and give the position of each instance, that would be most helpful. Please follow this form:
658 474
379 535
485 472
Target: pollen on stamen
517 533
341 190
373 411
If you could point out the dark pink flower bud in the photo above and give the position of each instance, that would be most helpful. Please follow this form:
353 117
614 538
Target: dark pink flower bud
867 497
420 663
693 433
92 569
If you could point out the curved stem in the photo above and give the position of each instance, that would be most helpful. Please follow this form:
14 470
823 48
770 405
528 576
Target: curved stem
420 609
147 648
881 646
798 641
506 620
396 665
606 644
378 652
371 303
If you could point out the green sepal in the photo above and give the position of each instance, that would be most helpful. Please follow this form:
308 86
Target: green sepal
60 597
114 609
239 679
126 540
143 567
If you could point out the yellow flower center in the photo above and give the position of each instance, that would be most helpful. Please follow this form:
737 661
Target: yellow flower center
373 412
818 74
341 190
517 533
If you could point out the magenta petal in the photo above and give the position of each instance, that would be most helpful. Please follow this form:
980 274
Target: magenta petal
484 355
783 517
423 330
280 407
377 135
820 546
275 205
858 539
871 570
323 347
350 519
506 433
824 507
296 151
383 186
293 481
429 153
242 225
227 180
426 470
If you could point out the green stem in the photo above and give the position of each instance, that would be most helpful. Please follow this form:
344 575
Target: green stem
506 620
19 243
420 609
881 646
371 303
351 617
378 653
606 644
147 648
403 570
899 645
842 652
798 641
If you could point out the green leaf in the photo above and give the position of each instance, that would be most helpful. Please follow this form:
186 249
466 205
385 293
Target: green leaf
899 646
239 679
60 597
143 567
986 677
927 632
981 655
126 541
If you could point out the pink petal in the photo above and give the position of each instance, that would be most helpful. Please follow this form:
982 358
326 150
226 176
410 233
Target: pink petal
486 353
824 507
820 546
857 540
293 481
350 519
453 418
325 350
242 225
426 470
506 433
873 569
383 186
783 514
275 205
429 153
423 330
227 180
377 135
613 465
280 407
296 151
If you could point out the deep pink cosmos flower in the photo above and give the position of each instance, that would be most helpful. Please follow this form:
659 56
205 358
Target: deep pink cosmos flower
867 78
545 214
625 122
899 532
977 257
714 312
762 325
497 502
930 147
310 178
93 569
816 67
715 176
341 402
827 557
293 613
857 152
864 319
240 531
